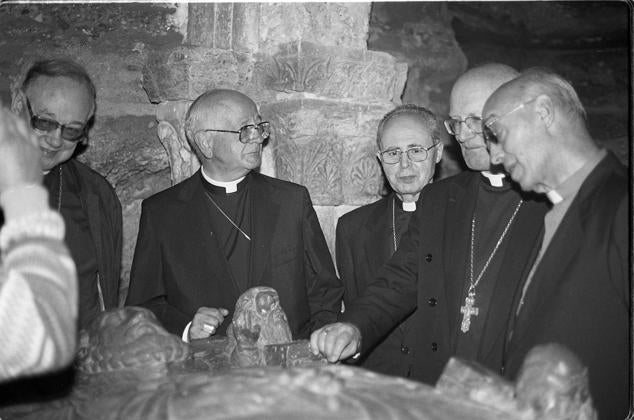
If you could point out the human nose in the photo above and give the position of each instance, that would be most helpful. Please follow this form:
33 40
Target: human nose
496 154
464 133
405 160
54 138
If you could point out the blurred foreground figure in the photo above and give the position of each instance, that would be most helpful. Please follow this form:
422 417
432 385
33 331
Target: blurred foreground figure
38 283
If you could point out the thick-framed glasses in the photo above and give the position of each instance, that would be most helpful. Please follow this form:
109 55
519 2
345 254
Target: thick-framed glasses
252 133
68 132
488 134
415 154
454 125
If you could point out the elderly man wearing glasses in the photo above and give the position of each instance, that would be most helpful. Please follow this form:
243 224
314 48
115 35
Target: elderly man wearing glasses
460 262
408 140
57 98
578 290
206 240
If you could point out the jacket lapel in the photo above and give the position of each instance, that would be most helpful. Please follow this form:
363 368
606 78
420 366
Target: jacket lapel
195 209
378 231
525 235
265 207
457 231
556 258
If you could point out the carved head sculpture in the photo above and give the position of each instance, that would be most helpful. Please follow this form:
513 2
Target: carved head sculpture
127 338
554 384
259 309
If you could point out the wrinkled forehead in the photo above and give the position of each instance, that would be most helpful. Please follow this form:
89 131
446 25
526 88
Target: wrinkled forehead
60 91
235 109
500 102
407 126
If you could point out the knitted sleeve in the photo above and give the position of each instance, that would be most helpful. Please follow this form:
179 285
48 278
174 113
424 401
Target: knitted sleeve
38 296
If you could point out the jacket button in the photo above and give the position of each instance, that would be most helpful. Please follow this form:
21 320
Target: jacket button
432 302
404 349
428 258
434 346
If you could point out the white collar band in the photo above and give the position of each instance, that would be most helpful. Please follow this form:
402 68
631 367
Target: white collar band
496 180
229 186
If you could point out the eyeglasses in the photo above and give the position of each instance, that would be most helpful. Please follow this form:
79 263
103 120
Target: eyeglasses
487 133
68 132
415 154
454 125
252 133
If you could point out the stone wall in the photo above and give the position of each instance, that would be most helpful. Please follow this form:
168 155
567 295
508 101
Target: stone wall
322 73
306 65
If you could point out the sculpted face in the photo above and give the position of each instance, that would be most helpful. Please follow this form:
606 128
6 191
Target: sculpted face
403 132
64 100
125 338
260 306
467 100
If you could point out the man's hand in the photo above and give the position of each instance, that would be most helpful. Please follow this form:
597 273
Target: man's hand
336 341
19 153
206 322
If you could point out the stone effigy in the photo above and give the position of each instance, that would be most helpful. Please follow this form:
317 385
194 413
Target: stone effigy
129 367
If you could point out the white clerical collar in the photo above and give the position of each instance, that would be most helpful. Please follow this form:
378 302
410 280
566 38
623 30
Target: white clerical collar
554 197
229 186
409 206
496 180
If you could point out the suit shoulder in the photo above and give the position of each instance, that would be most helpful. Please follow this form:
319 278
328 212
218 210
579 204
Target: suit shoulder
359 215
280 184
441 186
171 193
93 179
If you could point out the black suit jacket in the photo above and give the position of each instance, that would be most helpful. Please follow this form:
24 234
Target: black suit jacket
580 293
364 244
103 211
428 272
178 265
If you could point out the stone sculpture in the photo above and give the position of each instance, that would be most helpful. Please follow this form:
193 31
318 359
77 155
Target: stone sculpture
129 367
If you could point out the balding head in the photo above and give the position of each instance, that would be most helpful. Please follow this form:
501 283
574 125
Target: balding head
536 129
212 127
212 106
468 96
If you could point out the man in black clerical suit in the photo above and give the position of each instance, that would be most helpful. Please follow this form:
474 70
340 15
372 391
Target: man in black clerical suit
409 144
460 262
577 292
57 97
227 228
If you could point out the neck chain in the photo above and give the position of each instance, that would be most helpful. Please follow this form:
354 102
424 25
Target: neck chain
227 217
59 192
469 308
394 223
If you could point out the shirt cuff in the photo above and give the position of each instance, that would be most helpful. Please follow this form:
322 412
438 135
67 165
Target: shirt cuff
185 336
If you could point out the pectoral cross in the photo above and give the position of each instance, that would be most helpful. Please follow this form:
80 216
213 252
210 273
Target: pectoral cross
467 311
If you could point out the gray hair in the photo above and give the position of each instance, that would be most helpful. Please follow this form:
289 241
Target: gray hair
536 81
427 117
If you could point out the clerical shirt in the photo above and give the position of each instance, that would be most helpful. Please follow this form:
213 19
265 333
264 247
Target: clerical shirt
493 209
235 246
78 239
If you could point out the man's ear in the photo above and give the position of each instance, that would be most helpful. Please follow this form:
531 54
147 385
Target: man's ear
545 109
18 102
439 150
204 143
